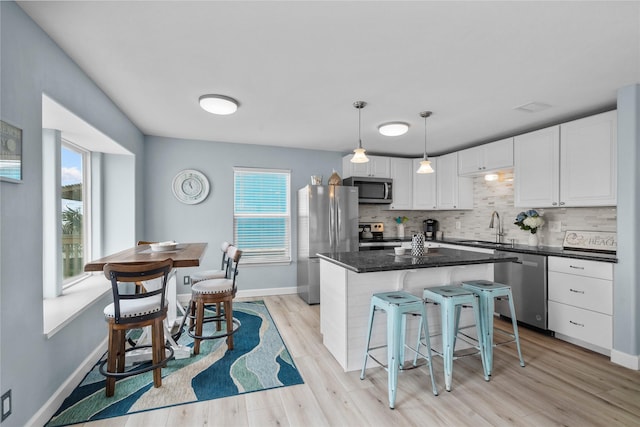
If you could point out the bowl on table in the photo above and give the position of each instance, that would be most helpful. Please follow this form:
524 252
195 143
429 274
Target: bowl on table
164 246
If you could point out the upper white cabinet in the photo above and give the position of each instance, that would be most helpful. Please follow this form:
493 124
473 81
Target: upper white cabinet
377 166
402 174
588 161
486 158
536 158
569 165
453 192
424 186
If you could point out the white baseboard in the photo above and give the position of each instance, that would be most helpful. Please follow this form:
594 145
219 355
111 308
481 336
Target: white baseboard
45 413
627 360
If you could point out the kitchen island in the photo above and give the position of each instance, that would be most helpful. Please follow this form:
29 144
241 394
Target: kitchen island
349 279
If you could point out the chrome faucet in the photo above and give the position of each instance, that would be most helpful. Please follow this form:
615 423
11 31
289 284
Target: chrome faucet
499 232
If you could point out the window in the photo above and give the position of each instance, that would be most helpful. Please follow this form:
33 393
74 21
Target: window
75 211
262 215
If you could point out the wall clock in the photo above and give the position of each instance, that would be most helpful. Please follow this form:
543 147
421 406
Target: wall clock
190 186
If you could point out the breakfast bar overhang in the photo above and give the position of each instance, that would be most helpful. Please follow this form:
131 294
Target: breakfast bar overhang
349 279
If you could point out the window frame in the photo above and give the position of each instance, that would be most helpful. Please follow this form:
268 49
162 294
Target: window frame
264 259
86 209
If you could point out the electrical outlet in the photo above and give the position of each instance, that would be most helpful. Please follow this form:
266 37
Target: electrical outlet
187 280
6 405
458 225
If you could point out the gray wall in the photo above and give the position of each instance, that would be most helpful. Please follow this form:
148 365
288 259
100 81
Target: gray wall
212 220
626 291
31 365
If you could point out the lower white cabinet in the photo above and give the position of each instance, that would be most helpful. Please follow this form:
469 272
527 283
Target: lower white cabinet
581 301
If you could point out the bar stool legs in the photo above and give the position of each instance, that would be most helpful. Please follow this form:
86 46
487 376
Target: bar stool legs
487 291
451 299
398 305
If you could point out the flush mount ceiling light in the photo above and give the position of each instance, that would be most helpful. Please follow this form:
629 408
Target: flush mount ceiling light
425 164
218 104
359 156
393 128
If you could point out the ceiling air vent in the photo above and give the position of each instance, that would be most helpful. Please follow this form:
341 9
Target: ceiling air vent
532 107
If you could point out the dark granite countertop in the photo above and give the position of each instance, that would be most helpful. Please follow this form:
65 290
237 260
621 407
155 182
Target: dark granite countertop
386 260
540 250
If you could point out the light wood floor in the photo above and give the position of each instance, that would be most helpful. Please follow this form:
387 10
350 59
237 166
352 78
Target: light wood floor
561 385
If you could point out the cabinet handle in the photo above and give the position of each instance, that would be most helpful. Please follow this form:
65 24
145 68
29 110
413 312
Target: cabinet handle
561 203
576 323
576 291
576 267
554 203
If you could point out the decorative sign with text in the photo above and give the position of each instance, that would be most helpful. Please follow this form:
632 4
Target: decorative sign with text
591 240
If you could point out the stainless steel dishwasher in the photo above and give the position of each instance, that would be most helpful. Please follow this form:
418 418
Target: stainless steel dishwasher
528 280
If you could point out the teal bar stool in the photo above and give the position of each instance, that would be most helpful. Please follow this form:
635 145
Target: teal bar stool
487 291
397 306
451 299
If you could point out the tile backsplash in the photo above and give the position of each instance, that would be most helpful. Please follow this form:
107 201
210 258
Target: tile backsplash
496 196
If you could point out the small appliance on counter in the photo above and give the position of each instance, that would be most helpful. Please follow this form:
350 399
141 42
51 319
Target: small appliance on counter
430 228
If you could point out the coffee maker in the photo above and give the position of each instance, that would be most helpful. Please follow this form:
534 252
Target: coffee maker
430 228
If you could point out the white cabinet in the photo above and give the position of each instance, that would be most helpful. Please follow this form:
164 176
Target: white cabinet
536 159
402 174
424 186
581 301
486 158
453 192
569 165
377 166
588 161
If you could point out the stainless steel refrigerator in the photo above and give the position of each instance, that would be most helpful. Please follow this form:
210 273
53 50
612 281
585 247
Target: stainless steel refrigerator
327 222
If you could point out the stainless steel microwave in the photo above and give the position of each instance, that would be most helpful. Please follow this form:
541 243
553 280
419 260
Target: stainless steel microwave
371 190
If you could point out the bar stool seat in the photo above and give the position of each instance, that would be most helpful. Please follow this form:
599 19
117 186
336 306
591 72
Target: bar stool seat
451 299
487 291
397 306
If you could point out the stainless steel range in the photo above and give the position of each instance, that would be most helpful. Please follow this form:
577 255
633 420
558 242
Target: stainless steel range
372 237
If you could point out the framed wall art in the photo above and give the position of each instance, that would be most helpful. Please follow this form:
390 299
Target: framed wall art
10 152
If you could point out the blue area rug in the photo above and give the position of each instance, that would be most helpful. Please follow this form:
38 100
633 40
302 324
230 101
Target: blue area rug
259 361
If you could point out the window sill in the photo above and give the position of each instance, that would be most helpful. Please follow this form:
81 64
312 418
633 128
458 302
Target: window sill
59 312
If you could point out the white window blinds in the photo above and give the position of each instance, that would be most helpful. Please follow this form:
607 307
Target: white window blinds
262 215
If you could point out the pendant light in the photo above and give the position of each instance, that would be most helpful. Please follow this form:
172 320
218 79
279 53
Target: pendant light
425 164
359 156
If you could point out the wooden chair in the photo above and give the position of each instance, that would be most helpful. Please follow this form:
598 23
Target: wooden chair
199 276
215 291
137 310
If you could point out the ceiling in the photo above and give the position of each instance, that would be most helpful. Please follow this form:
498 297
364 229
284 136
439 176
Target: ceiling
296 67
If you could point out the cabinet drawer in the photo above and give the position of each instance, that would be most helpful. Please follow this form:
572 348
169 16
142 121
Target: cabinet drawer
585 325
601 270
582 292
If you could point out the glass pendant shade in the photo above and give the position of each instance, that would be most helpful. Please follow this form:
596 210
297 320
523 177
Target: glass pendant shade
359 156
425 167
425 164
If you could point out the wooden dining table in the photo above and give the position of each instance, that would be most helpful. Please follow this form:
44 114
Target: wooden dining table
184 255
